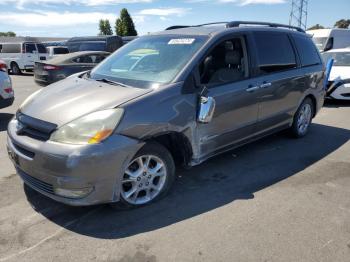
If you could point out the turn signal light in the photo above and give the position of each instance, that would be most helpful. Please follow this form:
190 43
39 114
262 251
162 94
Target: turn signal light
100 136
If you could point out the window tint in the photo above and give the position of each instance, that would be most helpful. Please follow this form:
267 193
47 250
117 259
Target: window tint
41 48
11 48
227 63
275 51
60 50
30 48
88 59
307 50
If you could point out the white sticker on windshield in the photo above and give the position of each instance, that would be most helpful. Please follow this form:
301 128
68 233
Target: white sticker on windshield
181 41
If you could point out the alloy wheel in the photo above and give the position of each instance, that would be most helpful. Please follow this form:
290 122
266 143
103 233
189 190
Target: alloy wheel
143 179
304 118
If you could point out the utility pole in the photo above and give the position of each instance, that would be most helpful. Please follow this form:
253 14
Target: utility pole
298 14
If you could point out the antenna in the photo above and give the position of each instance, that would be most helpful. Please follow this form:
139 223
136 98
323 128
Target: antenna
298 14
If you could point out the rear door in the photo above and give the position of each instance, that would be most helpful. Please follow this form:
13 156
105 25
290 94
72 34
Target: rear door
42 52
277 77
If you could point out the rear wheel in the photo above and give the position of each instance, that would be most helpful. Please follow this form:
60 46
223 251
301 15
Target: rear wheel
303 118
148 176
15 69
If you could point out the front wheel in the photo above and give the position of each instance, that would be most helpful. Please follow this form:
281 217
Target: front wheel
148 176
302 118
15 69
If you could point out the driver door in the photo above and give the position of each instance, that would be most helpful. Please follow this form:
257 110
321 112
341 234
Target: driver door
236 100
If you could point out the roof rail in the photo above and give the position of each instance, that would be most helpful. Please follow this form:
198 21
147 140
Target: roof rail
186 26
238 23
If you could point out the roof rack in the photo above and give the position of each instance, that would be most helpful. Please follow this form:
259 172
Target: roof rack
238 24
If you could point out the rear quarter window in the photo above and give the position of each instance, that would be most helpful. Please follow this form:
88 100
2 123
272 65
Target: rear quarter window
11 48
307 50
275 52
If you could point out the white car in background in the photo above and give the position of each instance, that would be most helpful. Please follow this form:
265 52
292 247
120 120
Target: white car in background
6 91
54 51
21 56
332 38
339 79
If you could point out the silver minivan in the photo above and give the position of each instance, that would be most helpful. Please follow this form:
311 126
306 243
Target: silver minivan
177 97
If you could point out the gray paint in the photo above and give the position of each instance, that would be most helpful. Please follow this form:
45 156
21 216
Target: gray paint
239 117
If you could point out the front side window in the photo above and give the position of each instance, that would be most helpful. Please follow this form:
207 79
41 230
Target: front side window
275 52
226 63
307 51
340 58
149 60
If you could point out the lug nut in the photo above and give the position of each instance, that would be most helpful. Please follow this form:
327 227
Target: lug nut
144 173
140 185
147 184
149 177
139 178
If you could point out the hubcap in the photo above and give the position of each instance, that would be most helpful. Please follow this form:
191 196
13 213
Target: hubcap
304 118
143 179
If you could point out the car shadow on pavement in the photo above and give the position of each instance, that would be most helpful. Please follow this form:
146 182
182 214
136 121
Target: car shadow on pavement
4 120
234 175
336 103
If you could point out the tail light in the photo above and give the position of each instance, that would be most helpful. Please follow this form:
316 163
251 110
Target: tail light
51 67
8 90
3 67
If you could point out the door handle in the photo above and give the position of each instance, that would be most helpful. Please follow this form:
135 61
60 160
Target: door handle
265 85
252 88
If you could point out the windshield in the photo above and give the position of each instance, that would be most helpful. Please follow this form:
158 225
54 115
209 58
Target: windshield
87 46
340 58
320 42
149 60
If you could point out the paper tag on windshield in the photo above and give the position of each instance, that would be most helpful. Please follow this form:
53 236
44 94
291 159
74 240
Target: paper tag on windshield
181 41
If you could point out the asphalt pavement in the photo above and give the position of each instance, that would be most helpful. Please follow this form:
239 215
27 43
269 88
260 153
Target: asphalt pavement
279 199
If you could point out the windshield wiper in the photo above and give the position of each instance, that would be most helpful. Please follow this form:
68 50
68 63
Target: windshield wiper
105 80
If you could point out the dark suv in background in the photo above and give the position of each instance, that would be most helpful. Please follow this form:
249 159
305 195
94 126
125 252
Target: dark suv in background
177 97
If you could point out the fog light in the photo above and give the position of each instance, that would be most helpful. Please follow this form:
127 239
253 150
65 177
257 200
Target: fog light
73 193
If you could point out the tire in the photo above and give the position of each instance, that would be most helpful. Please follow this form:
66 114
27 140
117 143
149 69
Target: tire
15 69
302 119
147 179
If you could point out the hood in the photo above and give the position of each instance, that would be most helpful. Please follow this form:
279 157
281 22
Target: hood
339 72
73 97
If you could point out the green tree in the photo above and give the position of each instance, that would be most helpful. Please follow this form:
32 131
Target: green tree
124 25
9 33
342 23
317 26
105 27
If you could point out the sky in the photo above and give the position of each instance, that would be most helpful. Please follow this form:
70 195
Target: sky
67 18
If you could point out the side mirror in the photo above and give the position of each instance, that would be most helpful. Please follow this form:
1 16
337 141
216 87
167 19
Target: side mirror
329 44
206 109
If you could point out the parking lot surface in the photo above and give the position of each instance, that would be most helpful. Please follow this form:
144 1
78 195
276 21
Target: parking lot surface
279 199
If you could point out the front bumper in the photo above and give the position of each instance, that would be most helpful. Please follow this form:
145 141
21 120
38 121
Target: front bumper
46 166
342 92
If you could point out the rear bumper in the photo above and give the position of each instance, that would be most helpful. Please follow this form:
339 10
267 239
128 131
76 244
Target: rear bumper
48 166
6 102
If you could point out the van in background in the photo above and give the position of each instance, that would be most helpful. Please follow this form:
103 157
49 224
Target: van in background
94 43
21 56
54 51
327 39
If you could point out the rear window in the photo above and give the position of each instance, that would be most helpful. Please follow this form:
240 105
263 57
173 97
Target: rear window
11 48
307 50
60 50
275 52
87 46
41 48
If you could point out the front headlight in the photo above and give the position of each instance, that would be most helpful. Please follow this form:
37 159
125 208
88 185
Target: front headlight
90 129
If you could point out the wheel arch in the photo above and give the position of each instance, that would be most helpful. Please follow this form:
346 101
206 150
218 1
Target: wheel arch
178 145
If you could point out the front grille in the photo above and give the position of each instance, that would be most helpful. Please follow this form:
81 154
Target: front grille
36 183
34 128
